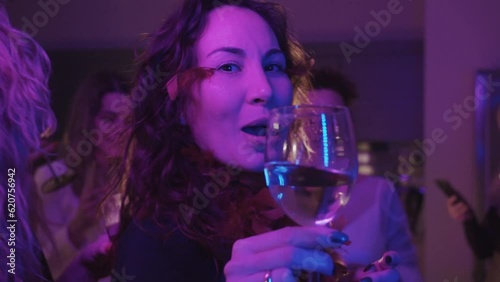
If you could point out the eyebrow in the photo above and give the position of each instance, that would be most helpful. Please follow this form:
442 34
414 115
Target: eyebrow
241 52
232 50
273 52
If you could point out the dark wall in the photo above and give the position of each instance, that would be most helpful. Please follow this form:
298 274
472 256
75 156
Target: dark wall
389 76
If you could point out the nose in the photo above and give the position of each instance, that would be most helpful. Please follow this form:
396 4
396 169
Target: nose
259 90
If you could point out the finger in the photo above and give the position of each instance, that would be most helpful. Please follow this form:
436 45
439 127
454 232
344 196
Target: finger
389 275
390 259
461 209
455 215
460 212
285 257
463 206
301 237
452 199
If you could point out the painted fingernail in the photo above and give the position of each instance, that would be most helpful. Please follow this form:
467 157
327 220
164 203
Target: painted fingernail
339 237
366 279
368 267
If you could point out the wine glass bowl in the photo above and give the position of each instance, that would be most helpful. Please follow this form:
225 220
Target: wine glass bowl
311 161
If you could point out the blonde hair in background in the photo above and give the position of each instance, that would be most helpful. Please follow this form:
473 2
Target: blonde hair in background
25 115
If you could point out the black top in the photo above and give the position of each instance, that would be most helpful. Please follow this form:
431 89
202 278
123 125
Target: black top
142 255
484 239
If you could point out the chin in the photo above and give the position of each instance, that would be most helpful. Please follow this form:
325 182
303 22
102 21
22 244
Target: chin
254 162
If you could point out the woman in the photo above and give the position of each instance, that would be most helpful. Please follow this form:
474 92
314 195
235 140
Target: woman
98 120
206 84
94 140
25 115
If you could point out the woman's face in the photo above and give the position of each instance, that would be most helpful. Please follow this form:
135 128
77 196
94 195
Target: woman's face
112 125
230 110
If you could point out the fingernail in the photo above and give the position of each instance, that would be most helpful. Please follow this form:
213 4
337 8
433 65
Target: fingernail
366 279
388 259
368 267
339 237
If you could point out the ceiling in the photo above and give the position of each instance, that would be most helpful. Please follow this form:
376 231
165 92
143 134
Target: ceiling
68 24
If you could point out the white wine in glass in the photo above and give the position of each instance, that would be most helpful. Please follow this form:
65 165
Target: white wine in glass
311 162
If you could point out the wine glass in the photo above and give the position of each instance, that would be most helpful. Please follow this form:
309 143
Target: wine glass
310 161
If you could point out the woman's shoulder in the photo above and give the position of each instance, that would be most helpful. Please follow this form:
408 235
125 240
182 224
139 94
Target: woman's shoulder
159 235
151 252
374 185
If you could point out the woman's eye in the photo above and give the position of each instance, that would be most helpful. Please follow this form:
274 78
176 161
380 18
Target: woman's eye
275 68
229 68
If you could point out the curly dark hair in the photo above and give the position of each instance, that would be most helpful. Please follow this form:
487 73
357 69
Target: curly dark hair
166 168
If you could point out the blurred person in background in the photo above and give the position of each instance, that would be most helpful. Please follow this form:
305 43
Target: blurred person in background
374 218
483 236
73 187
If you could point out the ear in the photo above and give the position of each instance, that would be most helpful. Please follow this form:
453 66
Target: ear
172 88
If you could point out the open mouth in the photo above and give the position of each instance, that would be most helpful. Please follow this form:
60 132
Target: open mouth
256 128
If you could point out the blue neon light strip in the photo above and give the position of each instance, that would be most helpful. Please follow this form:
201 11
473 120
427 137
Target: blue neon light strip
325 140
